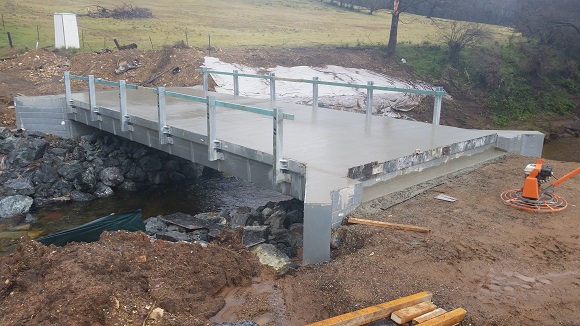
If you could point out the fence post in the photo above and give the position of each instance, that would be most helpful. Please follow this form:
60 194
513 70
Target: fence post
236 84
164 134
437 106
10 40
67 92
95 113
280 164
370 99
315 92
272 87
205 81
125 118
213 145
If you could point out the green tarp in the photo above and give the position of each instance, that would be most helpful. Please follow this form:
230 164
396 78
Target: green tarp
90 232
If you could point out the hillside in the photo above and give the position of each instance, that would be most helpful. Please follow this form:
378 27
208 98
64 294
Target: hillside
240 23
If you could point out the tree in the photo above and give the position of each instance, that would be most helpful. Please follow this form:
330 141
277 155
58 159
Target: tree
392 46
554 25
399 6
461 35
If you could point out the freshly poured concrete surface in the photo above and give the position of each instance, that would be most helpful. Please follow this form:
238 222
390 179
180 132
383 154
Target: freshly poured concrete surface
328 141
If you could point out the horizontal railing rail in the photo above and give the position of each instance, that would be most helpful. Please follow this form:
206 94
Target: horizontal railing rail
215 149
370 87
229 105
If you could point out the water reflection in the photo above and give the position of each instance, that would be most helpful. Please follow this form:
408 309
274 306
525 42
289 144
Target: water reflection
563 149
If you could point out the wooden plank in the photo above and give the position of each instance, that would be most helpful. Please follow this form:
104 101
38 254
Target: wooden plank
370 314
405 227
429 315
449 319
407 314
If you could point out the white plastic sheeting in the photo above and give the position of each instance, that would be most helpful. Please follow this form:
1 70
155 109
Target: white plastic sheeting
66 31
337 97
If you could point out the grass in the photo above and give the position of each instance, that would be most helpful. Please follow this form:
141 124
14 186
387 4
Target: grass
231 23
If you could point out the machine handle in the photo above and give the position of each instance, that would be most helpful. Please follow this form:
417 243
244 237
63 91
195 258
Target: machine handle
566 177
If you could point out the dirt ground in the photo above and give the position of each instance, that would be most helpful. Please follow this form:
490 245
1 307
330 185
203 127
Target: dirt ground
504 266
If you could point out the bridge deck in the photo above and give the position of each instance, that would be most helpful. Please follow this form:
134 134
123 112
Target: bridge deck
328 142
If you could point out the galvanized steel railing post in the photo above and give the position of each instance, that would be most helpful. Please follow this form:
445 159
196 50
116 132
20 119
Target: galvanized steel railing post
67 92
205 81
370 98
272 87
437 106
164 132
315 92
95 114
236 84
125 119
213 145
280 165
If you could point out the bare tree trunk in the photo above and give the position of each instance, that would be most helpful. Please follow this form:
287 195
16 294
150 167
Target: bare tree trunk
392 46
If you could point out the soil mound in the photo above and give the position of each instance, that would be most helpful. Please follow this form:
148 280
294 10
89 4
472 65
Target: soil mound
119 280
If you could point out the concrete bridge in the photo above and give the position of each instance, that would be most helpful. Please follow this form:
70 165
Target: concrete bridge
332 160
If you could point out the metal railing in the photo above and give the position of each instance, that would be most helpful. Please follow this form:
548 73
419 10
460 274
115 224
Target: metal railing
215 150
438 93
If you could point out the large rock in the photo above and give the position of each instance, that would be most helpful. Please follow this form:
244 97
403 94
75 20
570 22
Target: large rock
70 170
45 174
103 191
19 186
136 173
111 176
86 181
154 225
7 142
15 205
29 151
270 256
239 216
150 163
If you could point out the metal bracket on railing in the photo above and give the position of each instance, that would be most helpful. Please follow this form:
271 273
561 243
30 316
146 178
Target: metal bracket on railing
272 87
125 118
280 164
127 124
370 99
164 130
214 146
95 113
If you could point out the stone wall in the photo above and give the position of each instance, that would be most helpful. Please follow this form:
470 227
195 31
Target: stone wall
42 169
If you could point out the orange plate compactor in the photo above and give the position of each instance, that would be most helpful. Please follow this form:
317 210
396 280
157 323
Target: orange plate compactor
531 197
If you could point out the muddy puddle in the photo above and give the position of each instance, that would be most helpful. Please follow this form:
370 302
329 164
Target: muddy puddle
209 194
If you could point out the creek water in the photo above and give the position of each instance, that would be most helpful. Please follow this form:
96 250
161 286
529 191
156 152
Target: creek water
563 149
208 194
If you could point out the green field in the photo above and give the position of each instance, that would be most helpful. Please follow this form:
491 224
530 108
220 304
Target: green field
231 23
